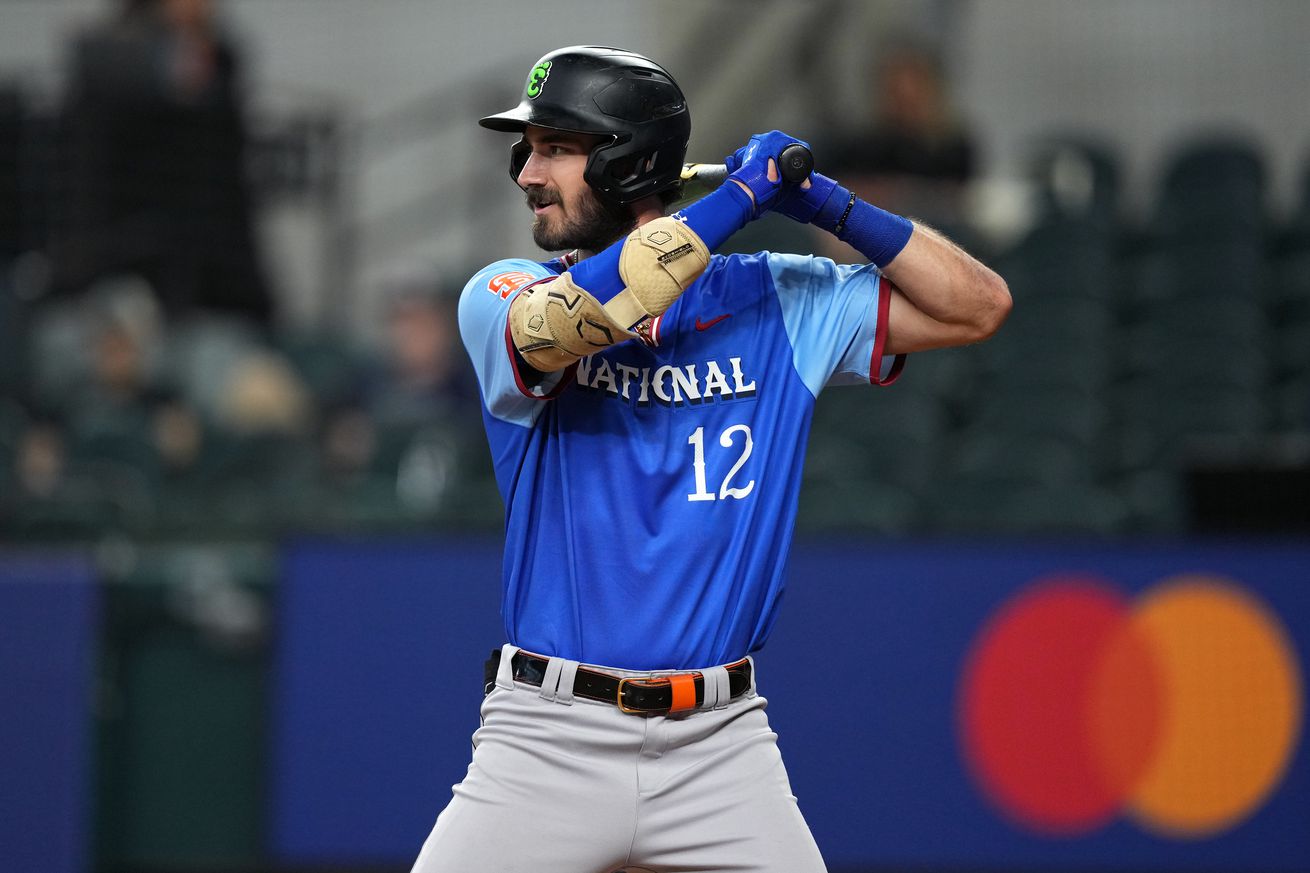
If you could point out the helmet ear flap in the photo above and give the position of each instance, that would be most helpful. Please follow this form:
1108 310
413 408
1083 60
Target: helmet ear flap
518 159
622 176
599 175
624 170
605 171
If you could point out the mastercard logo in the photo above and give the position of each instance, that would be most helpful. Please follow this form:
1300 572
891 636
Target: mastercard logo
1179 709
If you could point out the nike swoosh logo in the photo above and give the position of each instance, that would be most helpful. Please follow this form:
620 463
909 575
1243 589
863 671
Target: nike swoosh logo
706 325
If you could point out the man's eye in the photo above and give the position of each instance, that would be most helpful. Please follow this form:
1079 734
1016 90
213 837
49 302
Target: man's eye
557 150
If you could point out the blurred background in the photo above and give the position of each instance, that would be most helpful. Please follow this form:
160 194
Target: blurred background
247 517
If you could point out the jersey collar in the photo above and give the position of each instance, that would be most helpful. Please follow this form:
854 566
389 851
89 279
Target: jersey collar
563 262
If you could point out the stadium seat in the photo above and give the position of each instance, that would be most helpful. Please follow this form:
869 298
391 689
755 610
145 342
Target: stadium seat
1291 404
841 504
1154 501
861 412
1000 506
1290 313
1030 458
1187 267
1062 256
1056 411
1076 177
1163 361
326 365
947 376
1165 428
1214 184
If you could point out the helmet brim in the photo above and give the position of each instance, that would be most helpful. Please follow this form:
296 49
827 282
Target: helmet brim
505 122
516 120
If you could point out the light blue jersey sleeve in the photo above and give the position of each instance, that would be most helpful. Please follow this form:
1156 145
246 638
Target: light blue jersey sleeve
484 328
836 320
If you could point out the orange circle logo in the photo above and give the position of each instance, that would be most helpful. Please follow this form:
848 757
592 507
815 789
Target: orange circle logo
1180 709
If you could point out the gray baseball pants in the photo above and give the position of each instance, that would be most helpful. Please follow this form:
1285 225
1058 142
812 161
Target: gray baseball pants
565 785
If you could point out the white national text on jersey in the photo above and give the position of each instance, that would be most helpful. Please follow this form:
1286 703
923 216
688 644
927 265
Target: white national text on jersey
666 385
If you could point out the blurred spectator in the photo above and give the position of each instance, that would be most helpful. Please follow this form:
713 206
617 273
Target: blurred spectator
129 401
122 412
425 374
263 395
157 182
398 444
119 379
348 445
916 154
178 437
40 461
43 493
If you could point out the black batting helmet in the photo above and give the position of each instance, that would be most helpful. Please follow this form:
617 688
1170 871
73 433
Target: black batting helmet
617 94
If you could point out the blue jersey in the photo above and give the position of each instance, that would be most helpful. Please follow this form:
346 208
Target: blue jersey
651 489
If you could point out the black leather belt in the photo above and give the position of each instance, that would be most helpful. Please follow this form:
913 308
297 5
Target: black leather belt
641 695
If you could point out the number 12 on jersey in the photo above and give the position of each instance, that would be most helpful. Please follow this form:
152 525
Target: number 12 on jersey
726 439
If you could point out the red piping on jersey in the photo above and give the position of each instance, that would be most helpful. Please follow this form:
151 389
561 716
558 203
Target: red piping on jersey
880 338
514 357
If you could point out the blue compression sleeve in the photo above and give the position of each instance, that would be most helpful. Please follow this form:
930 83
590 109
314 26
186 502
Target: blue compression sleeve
719 214
877 234
714 218
599 273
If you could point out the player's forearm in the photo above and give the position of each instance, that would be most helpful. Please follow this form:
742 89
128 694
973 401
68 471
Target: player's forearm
949 286
942 297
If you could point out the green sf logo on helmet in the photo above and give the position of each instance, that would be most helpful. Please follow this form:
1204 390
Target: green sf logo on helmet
629 101
537 78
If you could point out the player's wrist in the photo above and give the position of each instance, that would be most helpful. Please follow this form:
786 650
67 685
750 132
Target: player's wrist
806 204
742 186
835 210
754 181
877 234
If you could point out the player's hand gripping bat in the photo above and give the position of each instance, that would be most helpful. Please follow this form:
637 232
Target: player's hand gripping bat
794 165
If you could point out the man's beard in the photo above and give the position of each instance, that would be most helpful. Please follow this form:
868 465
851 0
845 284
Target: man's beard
592 226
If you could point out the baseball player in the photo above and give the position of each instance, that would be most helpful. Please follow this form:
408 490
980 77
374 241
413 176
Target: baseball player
647 404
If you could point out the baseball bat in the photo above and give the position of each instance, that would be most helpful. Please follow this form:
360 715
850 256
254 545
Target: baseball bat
794 164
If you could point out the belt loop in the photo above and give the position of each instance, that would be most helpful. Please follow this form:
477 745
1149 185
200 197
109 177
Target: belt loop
717 693
505 673
550 682
564 691
751 691
682 690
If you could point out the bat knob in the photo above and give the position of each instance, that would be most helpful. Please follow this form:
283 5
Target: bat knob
795 163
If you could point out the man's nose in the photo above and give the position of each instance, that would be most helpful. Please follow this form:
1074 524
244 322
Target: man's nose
533 172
